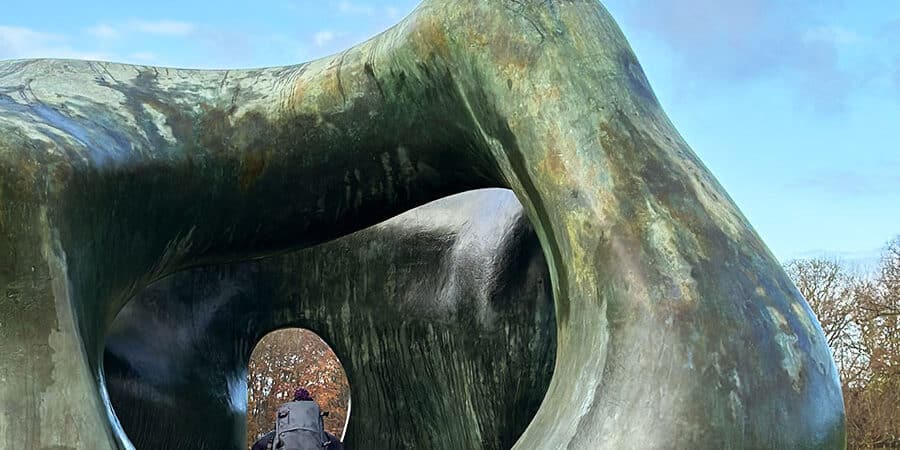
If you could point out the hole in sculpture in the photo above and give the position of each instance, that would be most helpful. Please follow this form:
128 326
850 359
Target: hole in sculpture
176 369
182 363
285 360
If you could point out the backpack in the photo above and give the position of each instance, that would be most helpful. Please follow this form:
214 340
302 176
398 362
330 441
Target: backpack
299 426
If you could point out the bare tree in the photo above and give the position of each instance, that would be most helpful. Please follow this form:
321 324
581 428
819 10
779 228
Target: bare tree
285 360
831 291
861 320
880 326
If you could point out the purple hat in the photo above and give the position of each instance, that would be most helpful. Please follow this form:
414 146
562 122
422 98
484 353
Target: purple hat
301 395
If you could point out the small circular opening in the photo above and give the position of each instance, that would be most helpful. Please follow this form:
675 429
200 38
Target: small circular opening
292 358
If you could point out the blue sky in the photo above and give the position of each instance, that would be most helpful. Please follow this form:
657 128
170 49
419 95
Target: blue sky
793 105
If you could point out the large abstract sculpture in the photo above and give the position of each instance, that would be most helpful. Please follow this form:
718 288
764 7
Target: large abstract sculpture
675 326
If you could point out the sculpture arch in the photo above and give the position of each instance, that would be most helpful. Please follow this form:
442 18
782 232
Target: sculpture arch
676 327
459 286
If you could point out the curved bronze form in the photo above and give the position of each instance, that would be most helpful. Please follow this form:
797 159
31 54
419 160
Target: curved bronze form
443 316
676 327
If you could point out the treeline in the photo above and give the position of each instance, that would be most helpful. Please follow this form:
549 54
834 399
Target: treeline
860 315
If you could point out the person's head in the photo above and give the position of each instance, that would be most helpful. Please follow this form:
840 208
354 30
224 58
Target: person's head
302 395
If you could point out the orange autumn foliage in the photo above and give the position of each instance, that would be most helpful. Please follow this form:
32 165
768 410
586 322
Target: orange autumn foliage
285 360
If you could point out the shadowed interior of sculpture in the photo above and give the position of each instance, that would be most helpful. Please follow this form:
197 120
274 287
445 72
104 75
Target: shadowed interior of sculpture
442 315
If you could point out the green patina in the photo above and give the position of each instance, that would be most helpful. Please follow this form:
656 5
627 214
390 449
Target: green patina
677 327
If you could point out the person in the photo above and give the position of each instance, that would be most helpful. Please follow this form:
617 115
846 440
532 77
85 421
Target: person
266 441
263 442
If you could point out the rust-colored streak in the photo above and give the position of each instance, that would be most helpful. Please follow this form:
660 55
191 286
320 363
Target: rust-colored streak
298 94
432 38
215 130
552 162
252 167
333 90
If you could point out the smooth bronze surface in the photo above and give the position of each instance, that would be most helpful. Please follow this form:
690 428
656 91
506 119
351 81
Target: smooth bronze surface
676 327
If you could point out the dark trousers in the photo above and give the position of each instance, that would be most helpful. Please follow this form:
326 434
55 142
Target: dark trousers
263 442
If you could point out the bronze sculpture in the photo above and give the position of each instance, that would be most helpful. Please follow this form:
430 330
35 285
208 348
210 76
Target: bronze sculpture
676 327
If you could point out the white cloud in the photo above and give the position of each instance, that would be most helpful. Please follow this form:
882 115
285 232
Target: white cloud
20 42
163 27
323 37
158 27
856 182
833 35
750 41
15 39
143 56
354 8
103 31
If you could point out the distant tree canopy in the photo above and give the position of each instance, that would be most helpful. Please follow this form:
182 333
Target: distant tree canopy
285 360
860 315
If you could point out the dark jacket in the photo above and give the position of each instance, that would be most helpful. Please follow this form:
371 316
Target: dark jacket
263 442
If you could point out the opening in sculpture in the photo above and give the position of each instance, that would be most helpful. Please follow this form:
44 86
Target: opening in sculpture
286 360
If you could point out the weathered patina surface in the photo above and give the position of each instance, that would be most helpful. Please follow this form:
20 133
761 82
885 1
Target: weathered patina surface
443 314
676 326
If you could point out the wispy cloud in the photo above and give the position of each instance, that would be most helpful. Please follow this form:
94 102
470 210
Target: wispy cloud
228 47
323 37
833 34
385 12
13 39
355 8
172 28
21 42
143 56
748 40
860 182
163 27
103 31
